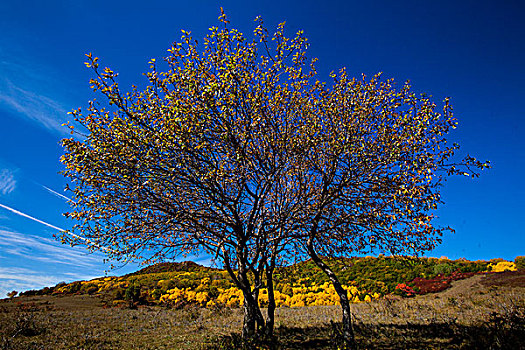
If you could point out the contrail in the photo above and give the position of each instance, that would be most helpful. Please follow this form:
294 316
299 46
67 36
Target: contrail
17 212
30 217
57 194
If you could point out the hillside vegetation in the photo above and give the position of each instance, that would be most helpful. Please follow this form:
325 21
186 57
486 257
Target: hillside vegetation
302 284
422 303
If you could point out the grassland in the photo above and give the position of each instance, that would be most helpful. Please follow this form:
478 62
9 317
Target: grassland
481 312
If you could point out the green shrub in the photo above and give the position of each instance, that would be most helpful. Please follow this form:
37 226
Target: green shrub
156 293
60 284
287 289
443 269
132 293
119 294
89 288
164 285
520 262
73 287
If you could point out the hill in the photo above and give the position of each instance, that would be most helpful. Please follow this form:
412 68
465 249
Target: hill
301 284
185 266
484 311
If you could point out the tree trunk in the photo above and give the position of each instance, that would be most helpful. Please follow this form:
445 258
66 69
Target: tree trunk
251 309
253 324
348 331
248 327
270 321
259 319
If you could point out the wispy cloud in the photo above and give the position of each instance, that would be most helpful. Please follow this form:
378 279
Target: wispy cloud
57 194
34 91
79 276
203 260
25 275
7 181
10 281
21 279
37 107
44 252
43 249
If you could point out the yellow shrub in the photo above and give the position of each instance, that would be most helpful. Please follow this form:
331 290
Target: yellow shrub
297 300
174 295
296 296
202 298
231 297
503 266
263 298
281 299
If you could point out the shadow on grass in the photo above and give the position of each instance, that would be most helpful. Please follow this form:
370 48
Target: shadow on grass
495 333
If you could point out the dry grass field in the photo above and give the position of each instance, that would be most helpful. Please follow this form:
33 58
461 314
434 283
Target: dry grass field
482 312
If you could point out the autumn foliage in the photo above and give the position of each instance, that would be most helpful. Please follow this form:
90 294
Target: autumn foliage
364 278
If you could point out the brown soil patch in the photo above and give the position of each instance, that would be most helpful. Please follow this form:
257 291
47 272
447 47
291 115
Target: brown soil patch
505 279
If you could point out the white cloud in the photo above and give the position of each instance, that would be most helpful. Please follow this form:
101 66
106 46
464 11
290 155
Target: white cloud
34 106
203 260
79 276
34 91
7 181
7 285
25 275
21 279
45 250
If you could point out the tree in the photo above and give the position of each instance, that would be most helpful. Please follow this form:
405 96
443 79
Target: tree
236 149
196 161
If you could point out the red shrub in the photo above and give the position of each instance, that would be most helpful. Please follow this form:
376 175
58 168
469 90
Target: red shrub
405 290
438 283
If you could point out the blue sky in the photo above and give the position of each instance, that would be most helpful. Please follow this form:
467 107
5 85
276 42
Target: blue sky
472 51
